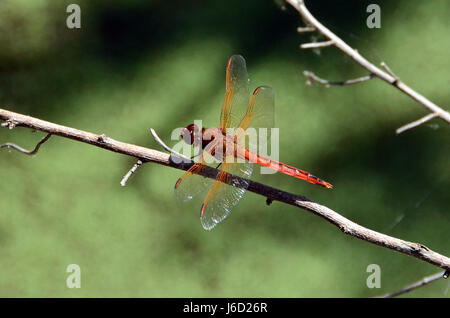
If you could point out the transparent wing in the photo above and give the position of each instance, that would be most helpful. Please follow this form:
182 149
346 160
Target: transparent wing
260 114
222 197
191 184
261 109
236 93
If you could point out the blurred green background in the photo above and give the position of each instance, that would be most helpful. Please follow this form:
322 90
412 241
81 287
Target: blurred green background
140 64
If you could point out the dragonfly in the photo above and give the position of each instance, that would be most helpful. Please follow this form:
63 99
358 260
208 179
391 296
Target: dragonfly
241 112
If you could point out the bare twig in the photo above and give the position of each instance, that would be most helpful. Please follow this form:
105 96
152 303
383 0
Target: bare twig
424 281
186 159
387 76
387 68
416 123
9 123
347 226
311 77
306 29
24 151
133 169
316 45
139 162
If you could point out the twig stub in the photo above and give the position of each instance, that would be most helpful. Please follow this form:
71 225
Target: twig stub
316 45
127 176
306 29
10 123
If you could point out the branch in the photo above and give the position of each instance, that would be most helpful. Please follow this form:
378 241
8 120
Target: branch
24 151
133 169
347 226
416 123
316 45
424 281
306 29
311 77
386 76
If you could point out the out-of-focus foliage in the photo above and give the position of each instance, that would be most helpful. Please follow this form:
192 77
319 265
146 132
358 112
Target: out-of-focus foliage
140 64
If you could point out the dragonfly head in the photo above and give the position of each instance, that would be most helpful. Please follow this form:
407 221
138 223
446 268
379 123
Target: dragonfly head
190 132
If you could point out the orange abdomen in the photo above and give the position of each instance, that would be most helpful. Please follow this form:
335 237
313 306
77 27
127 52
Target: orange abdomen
286 169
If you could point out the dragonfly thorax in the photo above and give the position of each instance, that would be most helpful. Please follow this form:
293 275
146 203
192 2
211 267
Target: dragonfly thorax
212 140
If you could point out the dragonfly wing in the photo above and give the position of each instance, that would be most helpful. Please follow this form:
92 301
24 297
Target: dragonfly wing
261 109
191 184
260 114
236 93
222 197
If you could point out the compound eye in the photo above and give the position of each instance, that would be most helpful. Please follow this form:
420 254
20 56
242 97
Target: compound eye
193 128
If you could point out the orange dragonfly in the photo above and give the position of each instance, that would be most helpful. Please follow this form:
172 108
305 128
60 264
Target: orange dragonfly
238 111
